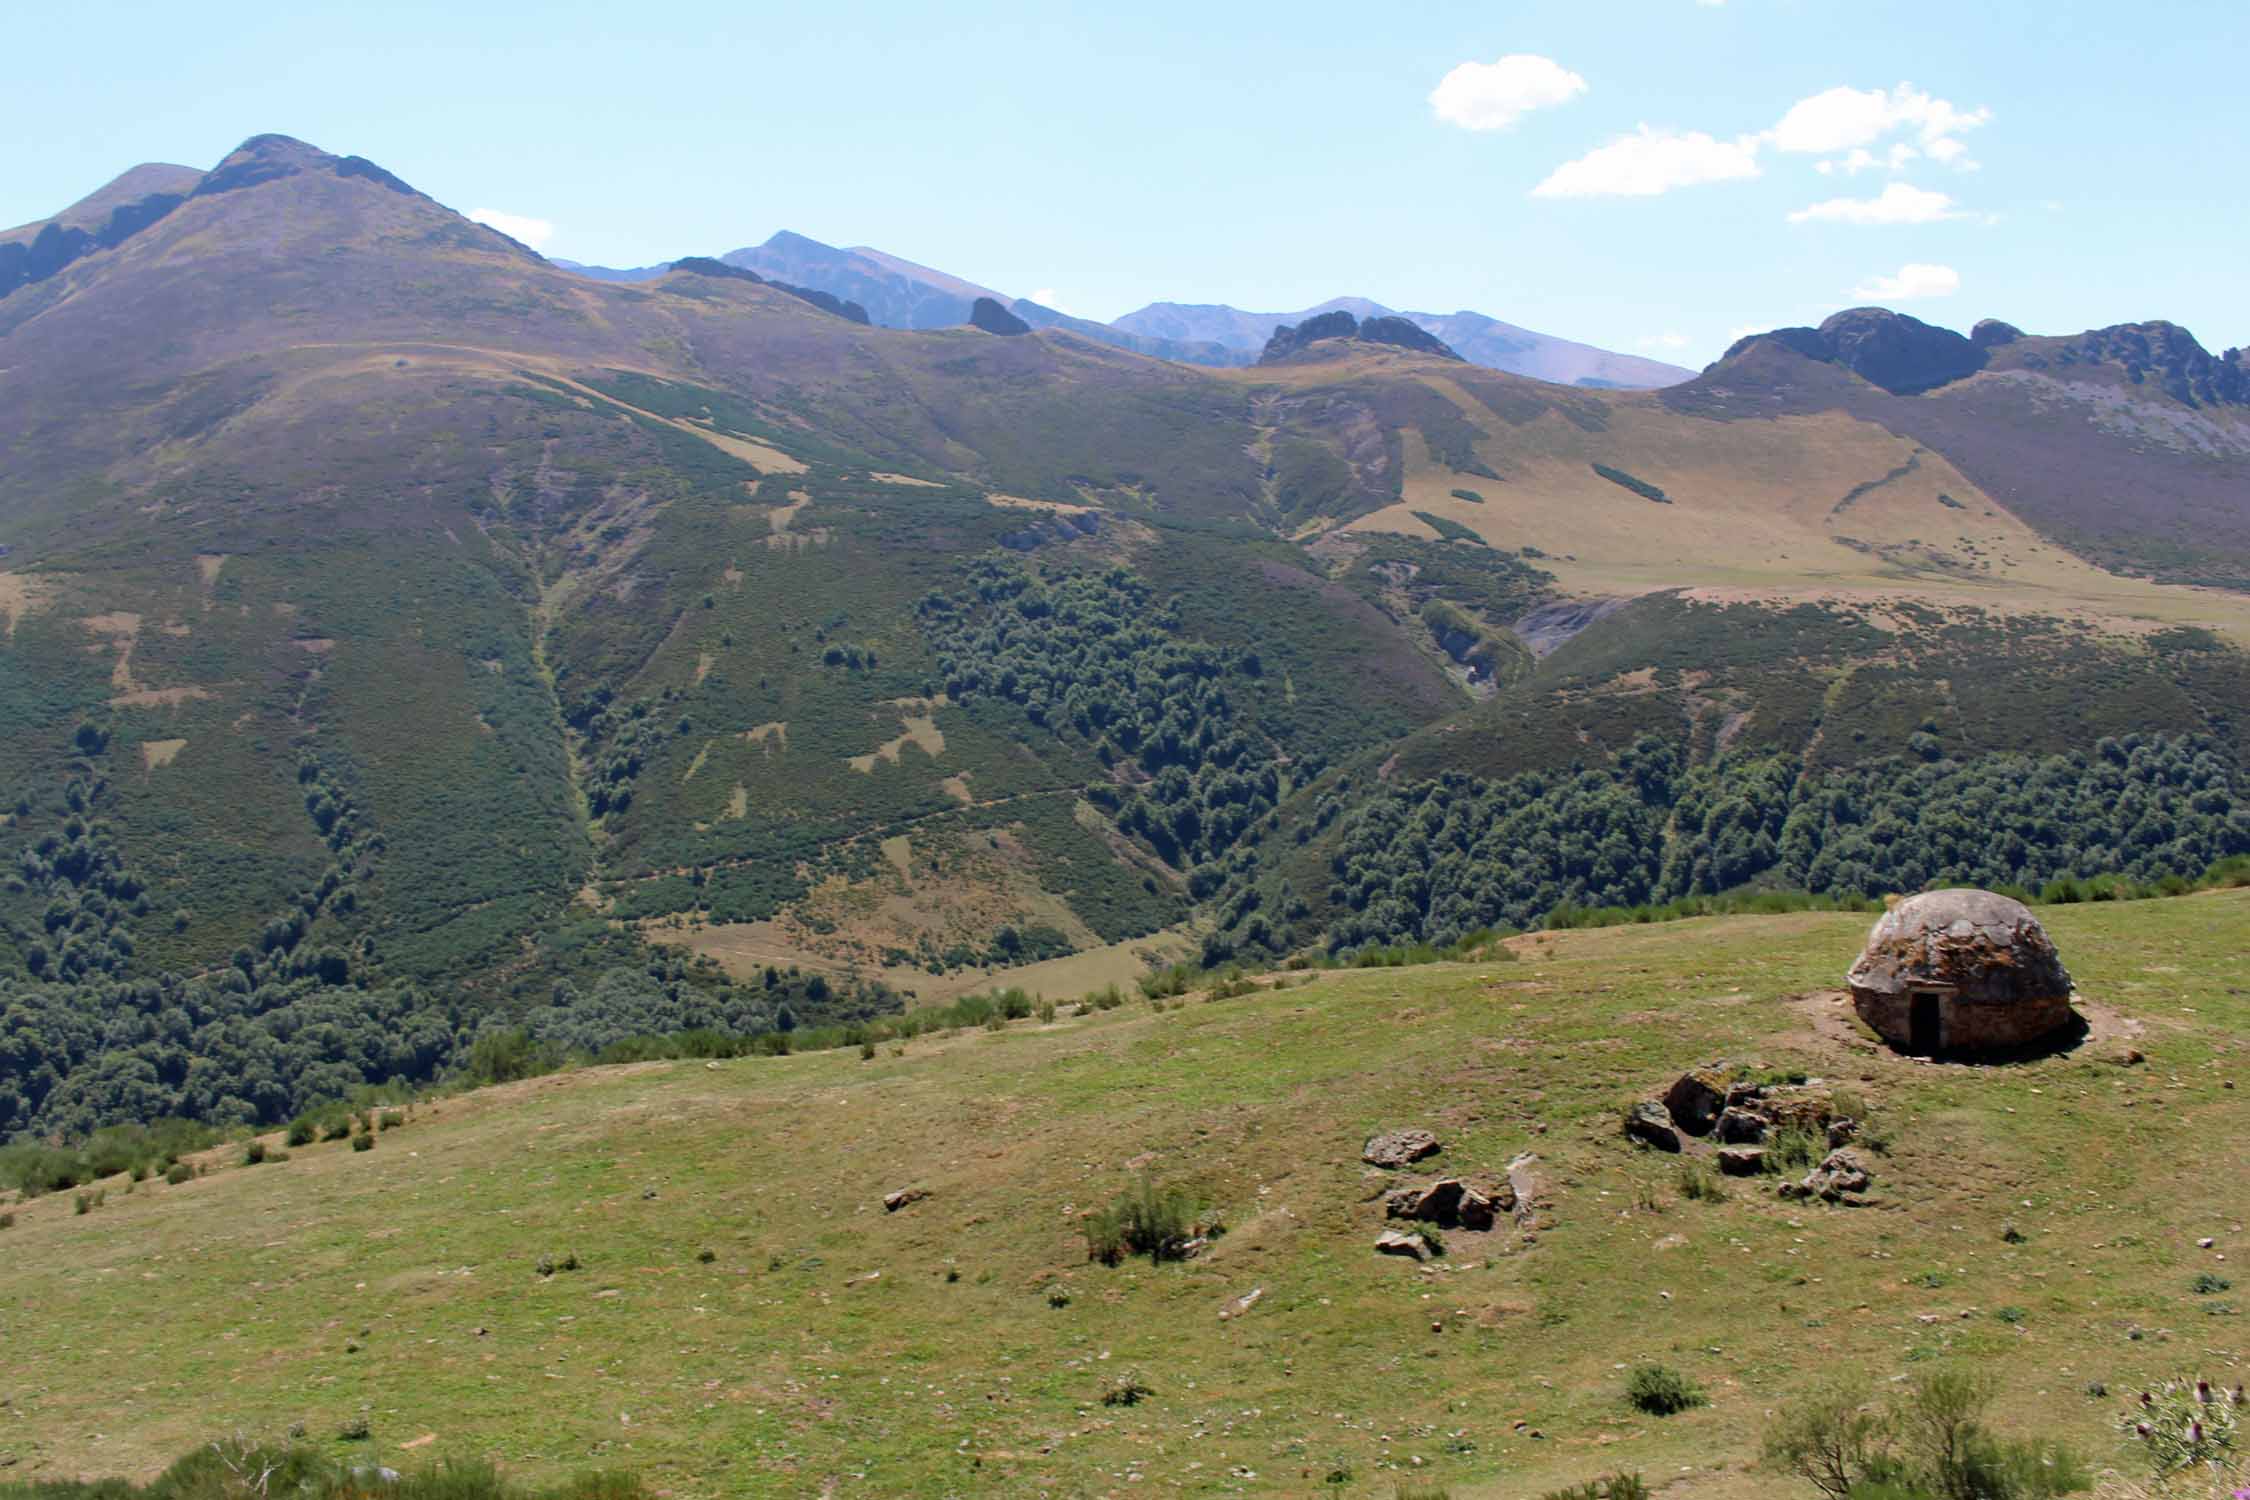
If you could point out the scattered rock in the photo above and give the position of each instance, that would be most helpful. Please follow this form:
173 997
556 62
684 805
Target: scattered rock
2132 1057
1842 1131
894 1201
1840 1176
2205 1243
1391 1242
1398 1148
1241 1304
1697 1099
1741 1127
1449 1202
1647 1123
1524 1187
1742 1161
1745 1093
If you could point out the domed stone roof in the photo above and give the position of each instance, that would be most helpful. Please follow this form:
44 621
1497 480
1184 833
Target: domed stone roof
1978 946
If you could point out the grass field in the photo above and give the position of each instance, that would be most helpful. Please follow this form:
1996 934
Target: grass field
963 1344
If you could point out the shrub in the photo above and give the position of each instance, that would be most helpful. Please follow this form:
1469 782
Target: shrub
1145 1220
1829 1439
363 1142
1699 1184
301 1131
7 1221
178 1173
83 1203
1661 1391
1128 1391
253 1153
1614 1487
390 1119
2206 1284
705 1257
1794 1151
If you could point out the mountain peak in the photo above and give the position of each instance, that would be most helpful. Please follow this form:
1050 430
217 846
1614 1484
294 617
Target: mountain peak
271 157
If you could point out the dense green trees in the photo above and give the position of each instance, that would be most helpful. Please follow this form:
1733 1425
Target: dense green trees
1097 657
1431 861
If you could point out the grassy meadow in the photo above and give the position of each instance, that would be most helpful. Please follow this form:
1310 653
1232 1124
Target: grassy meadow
745 1317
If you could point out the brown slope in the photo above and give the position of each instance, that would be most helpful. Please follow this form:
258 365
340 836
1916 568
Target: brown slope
2095 457
129 186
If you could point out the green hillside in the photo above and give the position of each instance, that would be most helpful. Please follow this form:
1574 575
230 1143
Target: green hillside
408 642
686 1270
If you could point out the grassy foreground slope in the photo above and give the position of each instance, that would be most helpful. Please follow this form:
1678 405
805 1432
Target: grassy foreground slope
963 1344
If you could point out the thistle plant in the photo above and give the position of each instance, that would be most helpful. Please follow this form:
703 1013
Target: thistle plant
2186 1424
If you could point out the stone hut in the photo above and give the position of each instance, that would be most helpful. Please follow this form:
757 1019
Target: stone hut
1960 971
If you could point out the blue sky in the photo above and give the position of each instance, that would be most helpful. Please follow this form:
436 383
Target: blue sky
1650 175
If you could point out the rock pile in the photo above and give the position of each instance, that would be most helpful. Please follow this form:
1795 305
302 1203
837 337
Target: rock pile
1742 1120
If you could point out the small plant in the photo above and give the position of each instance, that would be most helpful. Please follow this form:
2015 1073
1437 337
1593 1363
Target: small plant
1699 1184
7 1221
2010 1235
1058 1296
253 1153
178 1173
1128 1391
866 1051
356 1430
390 1119
83 1203
363 1142
2012 1316
1661 1391
705 1257
301 1131
1795 1150
2207 1284
952 1274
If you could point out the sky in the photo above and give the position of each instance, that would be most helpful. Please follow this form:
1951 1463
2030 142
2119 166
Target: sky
1653 176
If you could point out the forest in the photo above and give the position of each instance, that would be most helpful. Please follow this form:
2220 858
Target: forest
1432 861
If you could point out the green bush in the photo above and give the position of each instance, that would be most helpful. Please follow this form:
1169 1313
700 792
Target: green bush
1929 1442
1614 1487
363 1142
253 1153
178 1173
1661 1391
301 1131
1145 1220
1699 1184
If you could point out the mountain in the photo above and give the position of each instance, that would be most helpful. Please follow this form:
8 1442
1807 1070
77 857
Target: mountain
134 185
1477 338
415 651
896 293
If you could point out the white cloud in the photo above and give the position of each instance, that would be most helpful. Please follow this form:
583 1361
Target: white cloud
1844 119
1047 296
1494 95
533 232
1649 162
1912 281
1900 203
1664 340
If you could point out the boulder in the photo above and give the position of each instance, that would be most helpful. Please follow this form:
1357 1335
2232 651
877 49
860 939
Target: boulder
1741 1127
1697 1100
1807 1112
1391 1242
1742 1161
1398 1148
1741 1095
1842 1131
899 1198
1648 1123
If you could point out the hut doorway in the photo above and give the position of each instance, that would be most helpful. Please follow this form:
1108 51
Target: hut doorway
1923 1028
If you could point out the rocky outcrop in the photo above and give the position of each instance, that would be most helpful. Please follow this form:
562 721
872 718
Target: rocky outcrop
1450 1203
1903 355
1293 339
990 316
1399 1148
